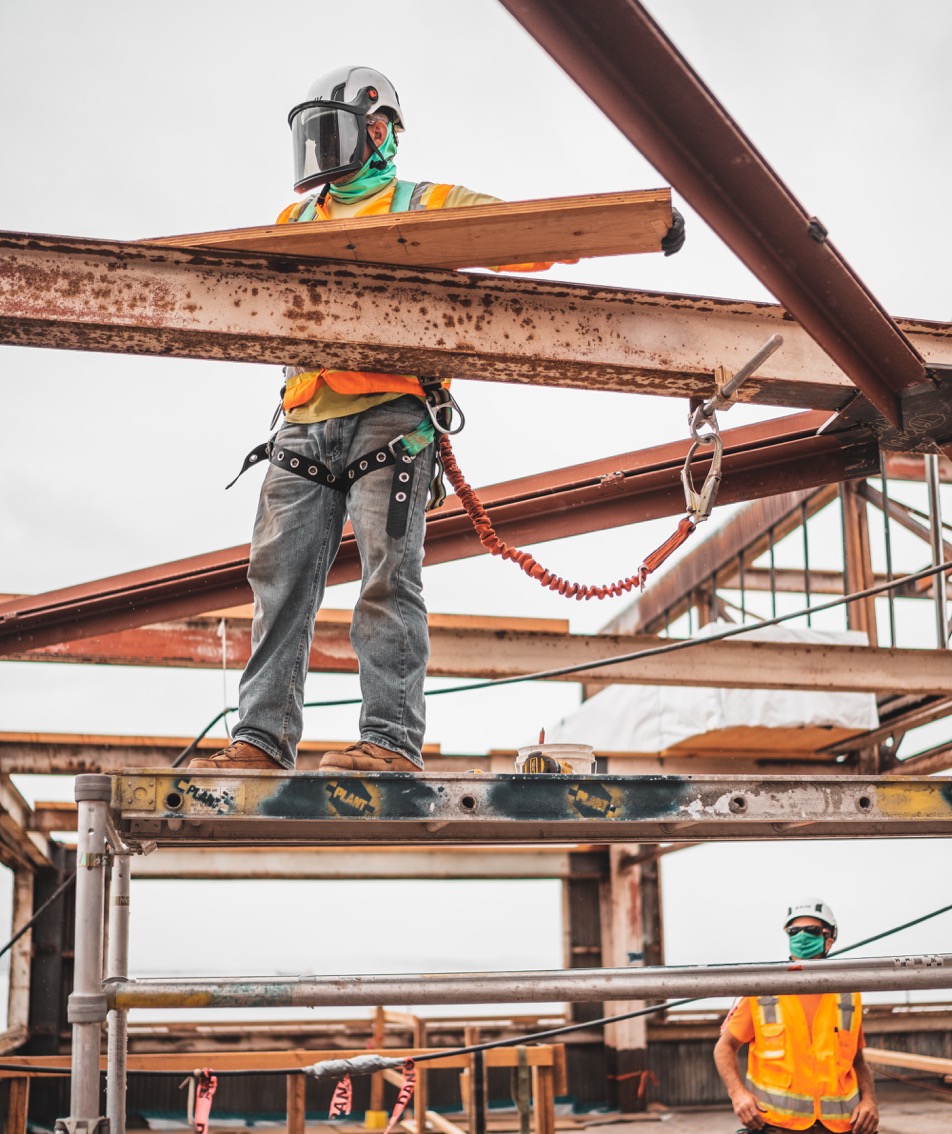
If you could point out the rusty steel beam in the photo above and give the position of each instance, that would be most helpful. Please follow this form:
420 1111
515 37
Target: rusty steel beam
74 754
86 294
759 460
83 294
622 59
481 653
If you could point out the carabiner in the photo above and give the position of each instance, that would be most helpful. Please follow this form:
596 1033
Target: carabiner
445 402
700 504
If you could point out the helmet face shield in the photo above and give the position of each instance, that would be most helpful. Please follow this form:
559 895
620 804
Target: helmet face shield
328 142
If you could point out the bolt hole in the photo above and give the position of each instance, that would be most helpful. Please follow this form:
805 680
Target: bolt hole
468 803
173 801
865 803
738 803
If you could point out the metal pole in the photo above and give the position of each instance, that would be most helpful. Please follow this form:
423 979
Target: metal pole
935 526
117 969
87 1003
806 561
887 540
887 974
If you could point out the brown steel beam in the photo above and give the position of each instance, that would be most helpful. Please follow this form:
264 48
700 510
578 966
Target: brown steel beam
857 562
493 654
621 58
74 754
759 460
81 294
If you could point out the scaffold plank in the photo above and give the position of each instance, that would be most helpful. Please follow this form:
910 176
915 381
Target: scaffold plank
283 809
510 232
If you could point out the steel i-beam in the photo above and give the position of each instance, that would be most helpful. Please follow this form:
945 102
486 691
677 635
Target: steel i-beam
621 58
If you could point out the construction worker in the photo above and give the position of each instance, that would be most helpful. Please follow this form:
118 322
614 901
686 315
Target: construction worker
339 425
805 1066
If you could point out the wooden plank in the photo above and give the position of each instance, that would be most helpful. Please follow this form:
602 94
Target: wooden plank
935 1063
562 228
542 1056
543 1098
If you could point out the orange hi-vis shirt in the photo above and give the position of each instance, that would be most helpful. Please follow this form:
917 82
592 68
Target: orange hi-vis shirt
315 394
801 1055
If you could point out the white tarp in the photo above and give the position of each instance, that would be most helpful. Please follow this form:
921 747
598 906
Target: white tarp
651 718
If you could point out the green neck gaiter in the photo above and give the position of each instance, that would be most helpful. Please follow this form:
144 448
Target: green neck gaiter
369 180
804 947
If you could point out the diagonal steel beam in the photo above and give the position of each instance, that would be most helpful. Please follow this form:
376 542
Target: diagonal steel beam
759 460
622 59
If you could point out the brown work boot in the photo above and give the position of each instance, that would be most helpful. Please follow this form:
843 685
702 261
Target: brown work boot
366 757
238 757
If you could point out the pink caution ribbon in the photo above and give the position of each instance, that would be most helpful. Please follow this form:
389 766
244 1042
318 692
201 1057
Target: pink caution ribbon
342 1098
207 1085
404 1095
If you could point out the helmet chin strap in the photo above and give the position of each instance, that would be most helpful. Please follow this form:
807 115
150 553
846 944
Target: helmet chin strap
381 162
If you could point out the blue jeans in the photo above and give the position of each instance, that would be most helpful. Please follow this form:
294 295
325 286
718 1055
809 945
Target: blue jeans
296 536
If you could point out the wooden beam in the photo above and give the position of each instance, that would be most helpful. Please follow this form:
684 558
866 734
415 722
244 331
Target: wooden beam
934 1063
561 228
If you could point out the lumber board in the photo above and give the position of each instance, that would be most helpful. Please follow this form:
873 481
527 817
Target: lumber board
937 1064
508 233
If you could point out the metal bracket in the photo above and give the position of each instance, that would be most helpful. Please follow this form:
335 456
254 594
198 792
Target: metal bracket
81 1126
87 1008
924 409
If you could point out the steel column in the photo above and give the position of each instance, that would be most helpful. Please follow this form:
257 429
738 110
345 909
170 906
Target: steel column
621 58
87 1002
936 534
117 968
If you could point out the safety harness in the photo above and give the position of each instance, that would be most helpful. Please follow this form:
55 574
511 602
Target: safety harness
400 452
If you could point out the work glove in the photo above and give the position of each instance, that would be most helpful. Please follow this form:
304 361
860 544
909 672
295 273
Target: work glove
673 240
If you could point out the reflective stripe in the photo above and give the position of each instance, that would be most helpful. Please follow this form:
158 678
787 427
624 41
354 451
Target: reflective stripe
834 1107
416 197
781 1101
844 1004
769 1009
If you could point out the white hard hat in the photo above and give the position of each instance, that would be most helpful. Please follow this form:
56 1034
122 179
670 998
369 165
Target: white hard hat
812 907
329 129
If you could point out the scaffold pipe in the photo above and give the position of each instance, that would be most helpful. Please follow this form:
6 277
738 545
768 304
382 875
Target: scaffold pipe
885 974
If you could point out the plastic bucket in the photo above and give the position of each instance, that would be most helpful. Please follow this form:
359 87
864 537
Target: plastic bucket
575 758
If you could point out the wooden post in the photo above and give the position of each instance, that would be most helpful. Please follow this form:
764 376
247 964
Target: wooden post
420 1100
18 997
623 946
297 1086
376 1116
581 928
19 1101
543 1099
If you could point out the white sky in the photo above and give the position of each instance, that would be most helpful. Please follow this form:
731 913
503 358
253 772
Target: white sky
124 119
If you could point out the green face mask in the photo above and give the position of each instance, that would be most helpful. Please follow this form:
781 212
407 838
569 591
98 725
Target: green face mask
804 946
370 180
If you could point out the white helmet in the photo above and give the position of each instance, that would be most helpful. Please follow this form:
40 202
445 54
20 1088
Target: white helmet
812 907
329 129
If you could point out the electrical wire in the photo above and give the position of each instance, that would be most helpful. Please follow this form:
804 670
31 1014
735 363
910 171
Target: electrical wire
636 655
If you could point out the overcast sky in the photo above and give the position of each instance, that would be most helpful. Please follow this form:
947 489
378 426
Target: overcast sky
123 119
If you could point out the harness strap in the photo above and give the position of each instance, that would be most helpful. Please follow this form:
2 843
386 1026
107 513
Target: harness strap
316 472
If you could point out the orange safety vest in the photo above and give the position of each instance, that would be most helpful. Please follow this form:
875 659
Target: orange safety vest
801 1078
300 387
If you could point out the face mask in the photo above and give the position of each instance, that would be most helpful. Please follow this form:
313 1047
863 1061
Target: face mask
374 173
805 947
